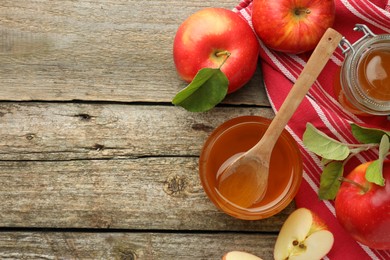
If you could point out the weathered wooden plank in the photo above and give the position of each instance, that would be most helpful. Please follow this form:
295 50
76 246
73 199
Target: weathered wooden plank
62 131
161 193
148 246
109 165
109 50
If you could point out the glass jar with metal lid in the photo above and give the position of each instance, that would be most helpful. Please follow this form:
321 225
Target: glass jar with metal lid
365 73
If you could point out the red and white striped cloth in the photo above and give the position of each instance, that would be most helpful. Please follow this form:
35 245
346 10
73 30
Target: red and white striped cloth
321 109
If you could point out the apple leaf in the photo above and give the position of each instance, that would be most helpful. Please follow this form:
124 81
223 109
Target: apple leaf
207 89
367 135
374 171
323 145
355 149
325 161
334 154
330 180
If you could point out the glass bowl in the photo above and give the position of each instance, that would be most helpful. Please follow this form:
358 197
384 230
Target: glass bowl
236 136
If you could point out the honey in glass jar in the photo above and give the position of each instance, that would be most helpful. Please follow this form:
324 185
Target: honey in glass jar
364 86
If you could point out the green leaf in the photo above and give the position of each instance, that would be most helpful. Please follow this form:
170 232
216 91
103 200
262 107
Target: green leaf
323 145
367 135
330 180
360 148
374 171
207 89
325 161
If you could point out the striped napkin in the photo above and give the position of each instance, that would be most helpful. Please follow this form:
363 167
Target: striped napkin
322 109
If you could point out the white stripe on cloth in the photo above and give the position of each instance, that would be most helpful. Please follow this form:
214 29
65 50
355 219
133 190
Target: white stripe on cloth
328 110
353 10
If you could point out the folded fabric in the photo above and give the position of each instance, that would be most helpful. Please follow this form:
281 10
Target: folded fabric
321 108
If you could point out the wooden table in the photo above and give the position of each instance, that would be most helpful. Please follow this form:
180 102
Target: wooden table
95 161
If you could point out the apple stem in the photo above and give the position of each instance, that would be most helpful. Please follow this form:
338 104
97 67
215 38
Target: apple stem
363 188
223 53
299 11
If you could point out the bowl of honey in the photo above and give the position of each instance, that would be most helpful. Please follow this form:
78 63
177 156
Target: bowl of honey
230 140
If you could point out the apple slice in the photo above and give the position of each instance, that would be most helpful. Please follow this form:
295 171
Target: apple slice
303 236
239 255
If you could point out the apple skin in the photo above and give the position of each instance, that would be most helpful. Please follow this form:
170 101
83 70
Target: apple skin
365 215
288 27
213 30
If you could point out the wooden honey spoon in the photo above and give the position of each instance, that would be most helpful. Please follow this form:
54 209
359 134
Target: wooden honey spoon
244 182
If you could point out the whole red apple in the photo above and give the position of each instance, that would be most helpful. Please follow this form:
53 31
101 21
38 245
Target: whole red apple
203 40
365 211
292 26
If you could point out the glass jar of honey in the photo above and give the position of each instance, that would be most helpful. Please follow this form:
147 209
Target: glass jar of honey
365 73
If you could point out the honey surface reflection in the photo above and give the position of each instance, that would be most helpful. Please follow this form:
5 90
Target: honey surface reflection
374 74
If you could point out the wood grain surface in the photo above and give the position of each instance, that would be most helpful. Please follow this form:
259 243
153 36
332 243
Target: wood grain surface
129 246
63 131
106 50
95 161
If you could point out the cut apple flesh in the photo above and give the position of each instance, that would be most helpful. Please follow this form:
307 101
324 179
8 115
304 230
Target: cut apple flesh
316 246
239 255
301 237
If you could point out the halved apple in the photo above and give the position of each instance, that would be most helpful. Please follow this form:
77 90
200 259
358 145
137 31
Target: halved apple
303 236
239 255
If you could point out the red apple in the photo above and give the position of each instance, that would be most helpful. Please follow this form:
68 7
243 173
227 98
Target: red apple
203 39
292 26
364 211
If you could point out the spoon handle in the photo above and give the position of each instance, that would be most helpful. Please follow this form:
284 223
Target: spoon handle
308 76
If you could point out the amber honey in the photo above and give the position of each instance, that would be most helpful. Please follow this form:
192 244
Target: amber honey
245 186
342 99
364 81
374 74
279 174
235 137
